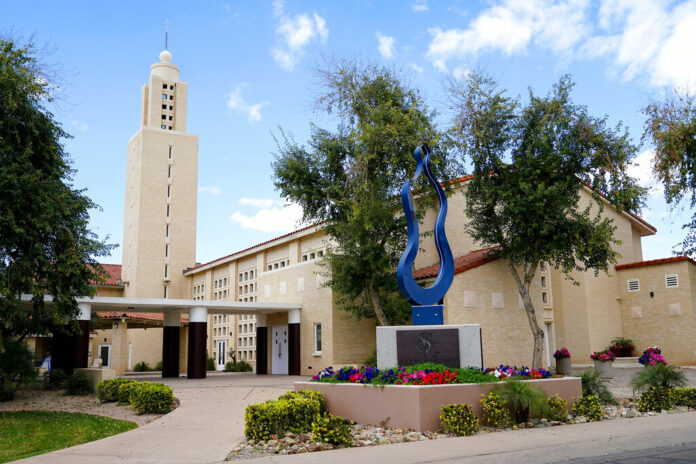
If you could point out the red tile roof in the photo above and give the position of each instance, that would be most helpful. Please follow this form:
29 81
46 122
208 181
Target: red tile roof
654 262
462 263
113 276
155 317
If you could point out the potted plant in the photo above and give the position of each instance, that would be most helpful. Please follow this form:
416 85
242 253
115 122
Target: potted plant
624 347
652 355
604 363
563 365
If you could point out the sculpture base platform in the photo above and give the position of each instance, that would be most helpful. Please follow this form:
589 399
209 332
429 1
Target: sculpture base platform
454 346
428 315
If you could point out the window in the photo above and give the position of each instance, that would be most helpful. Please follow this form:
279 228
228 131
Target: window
164 116
166 271
542 266
170 152
166 230
164 86
171 87
167 210
171 107
543 281
544 297
163 126
170 127
317 338
304 257
671 281
171 97
166 251
165 291
164 96
169 191
164 107
170 118
633 285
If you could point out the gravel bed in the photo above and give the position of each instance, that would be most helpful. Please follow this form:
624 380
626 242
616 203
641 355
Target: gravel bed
372 436
43 400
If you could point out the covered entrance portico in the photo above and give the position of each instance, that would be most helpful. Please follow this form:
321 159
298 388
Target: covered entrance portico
74 349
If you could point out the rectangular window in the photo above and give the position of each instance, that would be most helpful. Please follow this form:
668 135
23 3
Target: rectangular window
163 126
170 118
164 96
170 127
166 251
171 107
164 116
170 152
633 285
164 107
543 281
166 230
169 191
171 87
169 172
171 97
544 297
671 281
164 86
166 271
542 266
165 291
167 210
317 338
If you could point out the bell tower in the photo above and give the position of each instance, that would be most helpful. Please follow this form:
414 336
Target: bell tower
159 229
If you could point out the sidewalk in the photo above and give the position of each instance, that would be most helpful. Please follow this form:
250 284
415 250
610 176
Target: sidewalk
207 425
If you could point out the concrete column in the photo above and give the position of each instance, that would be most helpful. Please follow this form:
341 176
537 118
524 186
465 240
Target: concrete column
198 324
294 342
82 338
261 345
170 344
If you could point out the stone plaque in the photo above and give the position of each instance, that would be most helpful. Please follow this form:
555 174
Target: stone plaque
430 345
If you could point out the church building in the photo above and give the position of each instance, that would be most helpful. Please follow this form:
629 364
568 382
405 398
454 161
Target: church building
651 302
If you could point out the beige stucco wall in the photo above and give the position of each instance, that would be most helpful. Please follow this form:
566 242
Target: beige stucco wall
654 320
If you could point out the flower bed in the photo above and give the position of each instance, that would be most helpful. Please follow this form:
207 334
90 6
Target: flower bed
417 406
427 374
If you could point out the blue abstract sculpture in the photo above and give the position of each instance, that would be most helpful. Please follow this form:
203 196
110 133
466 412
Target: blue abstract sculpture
426 307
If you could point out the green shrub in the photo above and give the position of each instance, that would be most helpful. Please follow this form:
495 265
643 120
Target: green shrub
240 366
458 419
588 406
142 366
372 359
107 390
521 399
158 366
655 399
124 392
151 398
209 364
77 384
293 412
593 384
16 367
556 409
658 375
54 379
310 395
495 413
332 429
684 397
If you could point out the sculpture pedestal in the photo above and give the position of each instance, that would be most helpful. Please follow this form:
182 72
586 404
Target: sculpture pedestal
454 346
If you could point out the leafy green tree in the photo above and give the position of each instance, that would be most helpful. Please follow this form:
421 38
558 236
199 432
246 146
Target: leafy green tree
349 179
530 162
46 247
671 126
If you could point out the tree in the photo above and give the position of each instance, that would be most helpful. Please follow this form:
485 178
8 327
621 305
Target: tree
46 247
671 126
530 164
349 179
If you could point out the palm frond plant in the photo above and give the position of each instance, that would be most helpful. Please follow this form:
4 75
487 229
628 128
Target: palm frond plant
658 375
521 399
593 384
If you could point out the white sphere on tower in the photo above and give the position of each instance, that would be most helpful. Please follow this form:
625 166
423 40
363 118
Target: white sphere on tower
165 56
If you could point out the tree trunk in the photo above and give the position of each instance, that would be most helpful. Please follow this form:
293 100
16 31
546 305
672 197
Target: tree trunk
382 318
537 332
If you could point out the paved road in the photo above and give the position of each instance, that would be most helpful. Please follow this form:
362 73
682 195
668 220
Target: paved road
673 454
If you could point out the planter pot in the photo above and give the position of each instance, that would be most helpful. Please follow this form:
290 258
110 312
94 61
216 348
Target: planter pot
626 352
563 366
605 369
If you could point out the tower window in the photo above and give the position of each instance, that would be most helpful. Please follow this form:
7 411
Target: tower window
164 107
163 126
171 107
170 152
170 118
165 291
166 251
170 127
166 271
164 86
164 96
164 116
171 97
169 171
167 210
171 87
166 231
169 191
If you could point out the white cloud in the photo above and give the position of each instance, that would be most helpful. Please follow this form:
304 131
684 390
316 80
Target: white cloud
385 45
420 6
416 68
510 27
258 202
642 170
237 103
279 218
81 126
646 37
211 189
296 32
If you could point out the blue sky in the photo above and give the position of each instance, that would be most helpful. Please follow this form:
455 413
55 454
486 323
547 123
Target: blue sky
250 65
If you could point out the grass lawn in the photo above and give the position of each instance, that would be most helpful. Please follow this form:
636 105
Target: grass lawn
28 433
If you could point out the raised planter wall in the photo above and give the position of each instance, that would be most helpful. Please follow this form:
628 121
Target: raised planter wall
417 407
